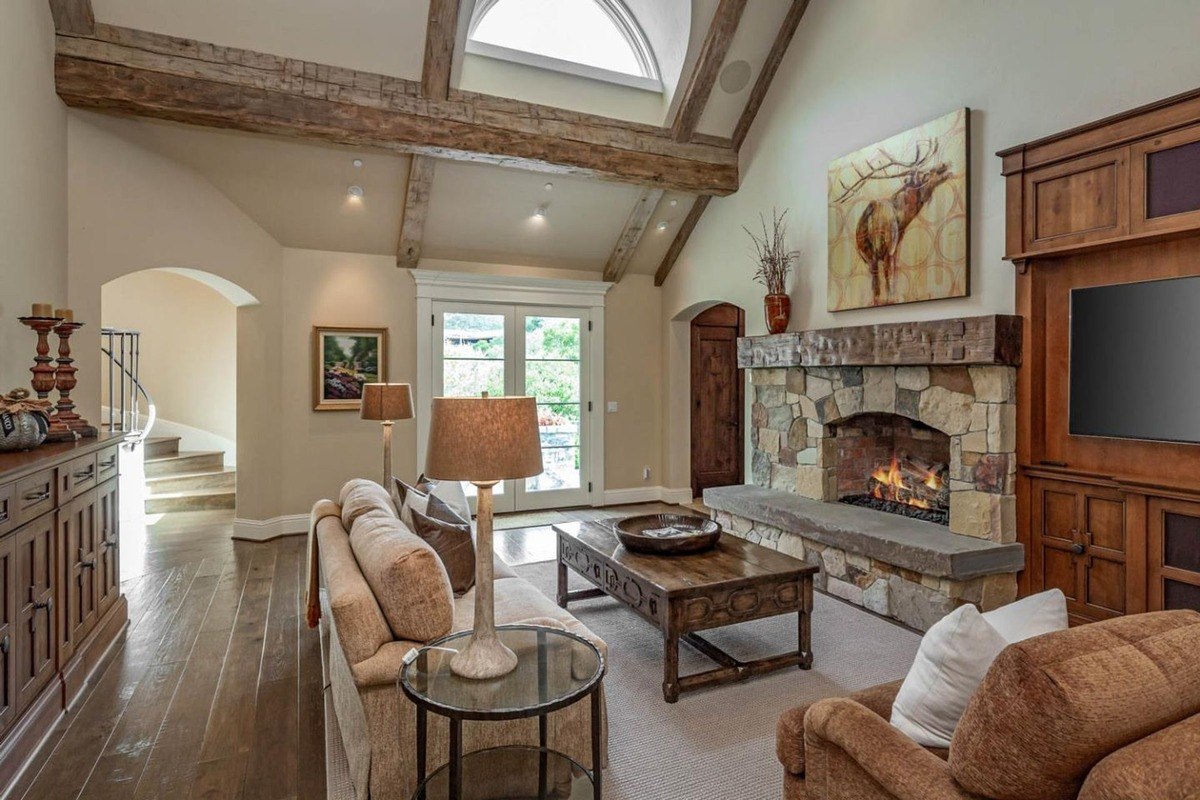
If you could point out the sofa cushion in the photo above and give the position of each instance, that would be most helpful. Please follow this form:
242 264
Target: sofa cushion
453 543
407 577
360 497
361 626
518 601
1136 772
1054 706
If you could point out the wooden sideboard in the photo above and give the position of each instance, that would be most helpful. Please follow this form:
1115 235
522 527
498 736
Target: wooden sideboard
1114 523
61 608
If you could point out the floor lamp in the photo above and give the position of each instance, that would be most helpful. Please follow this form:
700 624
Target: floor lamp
483 440
385 402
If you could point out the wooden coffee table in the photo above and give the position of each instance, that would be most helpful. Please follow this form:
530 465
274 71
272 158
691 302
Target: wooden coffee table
737 581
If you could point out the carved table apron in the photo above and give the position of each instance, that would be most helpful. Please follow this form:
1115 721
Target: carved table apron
738 581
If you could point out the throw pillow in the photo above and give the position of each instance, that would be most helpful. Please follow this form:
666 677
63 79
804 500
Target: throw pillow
417 497
1030 616
452 542
953 658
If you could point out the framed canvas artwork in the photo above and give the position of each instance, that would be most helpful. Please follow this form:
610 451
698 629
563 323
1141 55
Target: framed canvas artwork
343 360
898 218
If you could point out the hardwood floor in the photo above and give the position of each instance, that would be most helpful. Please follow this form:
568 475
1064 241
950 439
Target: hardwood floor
216 691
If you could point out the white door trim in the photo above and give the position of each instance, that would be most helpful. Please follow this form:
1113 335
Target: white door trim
436 285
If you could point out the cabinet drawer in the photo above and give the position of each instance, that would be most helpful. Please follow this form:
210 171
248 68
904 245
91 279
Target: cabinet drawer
76 477
34 496
8 507
108 464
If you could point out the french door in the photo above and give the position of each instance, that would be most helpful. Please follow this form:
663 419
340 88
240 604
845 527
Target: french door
539 351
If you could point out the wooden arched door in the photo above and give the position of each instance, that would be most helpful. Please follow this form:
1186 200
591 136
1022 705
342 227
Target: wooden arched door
718 398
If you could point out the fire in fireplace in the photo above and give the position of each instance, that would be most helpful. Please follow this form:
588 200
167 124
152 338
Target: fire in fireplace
894 464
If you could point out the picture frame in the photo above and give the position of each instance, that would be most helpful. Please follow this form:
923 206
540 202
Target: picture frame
345 358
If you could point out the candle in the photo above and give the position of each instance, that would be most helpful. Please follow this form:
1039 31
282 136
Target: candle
65 314
41 310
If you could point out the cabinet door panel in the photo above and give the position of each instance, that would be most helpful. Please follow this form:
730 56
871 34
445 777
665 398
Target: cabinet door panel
108 553
1174 562
1106 586
1165 182
36 628
1059 572
78 537
8 595
1081 201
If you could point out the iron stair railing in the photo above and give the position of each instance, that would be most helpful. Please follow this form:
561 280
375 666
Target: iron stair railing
123 349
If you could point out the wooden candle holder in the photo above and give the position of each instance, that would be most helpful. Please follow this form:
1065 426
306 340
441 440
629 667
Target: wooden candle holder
65 382
44 379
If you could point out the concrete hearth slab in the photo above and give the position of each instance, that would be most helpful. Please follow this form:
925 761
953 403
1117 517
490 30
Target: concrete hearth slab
923 547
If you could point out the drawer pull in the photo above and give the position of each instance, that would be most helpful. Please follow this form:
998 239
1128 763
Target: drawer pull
109 543
89 564
36 496
112 462
48 605
83 474
4 515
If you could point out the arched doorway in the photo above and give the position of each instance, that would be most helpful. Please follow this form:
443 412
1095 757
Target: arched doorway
717 398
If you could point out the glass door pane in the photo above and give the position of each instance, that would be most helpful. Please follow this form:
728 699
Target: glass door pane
552 370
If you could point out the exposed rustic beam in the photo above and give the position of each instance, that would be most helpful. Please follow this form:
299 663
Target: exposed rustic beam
146 74
685 231
73 16
759 93
416 206
440 34
635 226
708 66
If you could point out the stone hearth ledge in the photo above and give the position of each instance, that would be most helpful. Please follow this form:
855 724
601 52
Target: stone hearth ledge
911 544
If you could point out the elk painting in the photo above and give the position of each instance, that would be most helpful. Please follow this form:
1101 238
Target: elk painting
898 222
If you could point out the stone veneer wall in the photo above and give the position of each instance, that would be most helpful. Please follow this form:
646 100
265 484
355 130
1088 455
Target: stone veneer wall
913 598
795 449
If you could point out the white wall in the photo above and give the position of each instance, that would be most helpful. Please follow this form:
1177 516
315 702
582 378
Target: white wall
33 182
861 70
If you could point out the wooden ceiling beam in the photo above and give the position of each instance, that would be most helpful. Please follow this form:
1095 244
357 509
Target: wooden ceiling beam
685 231
146 74
440 34
708 66
767 74
416 209
635 226
73 16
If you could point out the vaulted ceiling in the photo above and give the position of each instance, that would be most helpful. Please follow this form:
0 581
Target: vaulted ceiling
621 161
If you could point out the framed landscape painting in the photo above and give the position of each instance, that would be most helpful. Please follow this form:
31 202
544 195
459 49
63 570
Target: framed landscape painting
898 218
343 360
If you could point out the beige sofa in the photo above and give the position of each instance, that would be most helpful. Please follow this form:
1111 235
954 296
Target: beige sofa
388 593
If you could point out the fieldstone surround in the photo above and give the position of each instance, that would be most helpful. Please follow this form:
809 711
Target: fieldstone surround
955 376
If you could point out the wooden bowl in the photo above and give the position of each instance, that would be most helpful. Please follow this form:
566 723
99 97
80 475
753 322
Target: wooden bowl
698 534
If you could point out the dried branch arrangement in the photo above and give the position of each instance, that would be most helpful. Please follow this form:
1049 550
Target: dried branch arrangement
774 257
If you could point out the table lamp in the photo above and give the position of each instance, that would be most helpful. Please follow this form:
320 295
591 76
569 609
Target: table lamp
483 440
386 402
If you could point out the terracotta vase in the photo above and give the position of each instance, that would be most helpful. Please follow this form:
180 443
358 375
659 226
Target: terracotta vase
778 311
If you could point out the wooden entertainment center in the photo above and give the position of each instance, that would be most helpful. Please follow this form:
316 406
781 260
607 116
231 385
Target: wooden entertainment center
1114 523
62 613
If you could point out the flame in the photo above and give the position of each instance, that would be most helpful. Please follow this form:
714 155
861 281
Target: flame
889 485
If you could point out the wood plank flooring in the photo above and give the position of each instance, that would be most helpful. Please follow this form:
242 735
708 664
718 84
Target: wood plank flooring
216 691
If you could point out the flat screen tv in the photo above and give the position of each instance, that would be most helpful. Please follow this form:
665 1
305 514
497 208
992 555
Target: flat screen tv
1135 361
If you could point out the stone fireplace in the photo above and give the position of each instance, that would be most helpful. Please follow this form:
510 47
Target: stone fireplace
918 419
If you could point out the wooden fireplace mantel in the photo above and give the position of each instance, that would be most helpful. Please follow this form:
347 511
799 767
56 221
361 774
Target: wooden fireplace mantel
993 339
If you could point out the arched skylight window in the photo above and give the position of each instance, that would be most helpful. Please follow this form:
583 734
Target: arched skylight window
594 38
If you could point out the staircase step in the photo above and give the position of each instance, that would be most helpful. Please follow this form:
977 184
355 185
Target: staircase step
185 462
192 482
190 501
160 446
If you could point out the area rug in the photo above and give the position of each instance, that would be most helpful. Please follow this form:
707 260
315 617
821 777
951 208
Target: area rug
720 742
526 519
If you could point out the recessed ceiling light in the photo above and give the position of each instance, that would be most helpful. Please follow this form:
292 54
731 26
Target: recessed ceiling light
549 187
356 192
736 76
674 203
358 162
662 226
540 212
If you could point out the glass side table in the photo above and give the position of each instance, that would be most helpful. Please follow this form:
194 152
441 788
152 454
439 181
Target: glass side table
555 669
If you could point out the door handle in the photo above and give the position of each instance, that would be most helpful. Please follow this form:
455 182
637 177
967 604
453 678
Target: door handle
48 605
90 564
1078 549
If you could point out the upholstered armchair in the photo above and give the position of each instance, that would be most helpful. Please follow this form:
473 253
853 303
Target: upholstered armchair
1105 711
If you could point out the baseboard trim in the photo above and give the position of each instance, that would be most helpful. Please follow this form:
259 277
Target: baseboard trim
646 494
263 530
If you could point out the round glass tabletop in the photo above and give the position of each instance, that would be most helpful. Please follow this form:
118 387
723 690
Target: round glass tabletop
512 773
554 669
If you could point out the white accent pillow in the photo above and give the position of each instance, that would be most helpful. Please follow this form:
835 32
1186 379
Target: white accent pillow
953 658
955 655
1030 616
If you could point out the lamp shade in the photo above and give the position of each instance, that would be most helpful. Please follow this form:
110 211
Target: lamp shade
387 401
483 439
